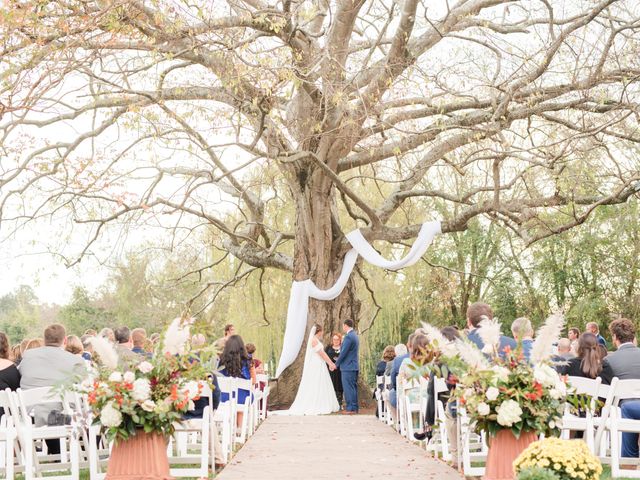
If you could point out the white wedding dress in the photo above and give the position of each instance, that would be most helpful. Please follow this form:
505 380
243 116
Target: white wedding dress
315 394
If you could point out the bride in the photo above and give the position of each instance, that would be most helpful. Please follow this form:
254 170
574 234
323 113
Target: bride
315 394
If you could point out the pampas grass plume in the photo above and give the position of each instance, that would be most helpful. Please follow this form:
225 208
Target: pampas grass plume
105 351
547 335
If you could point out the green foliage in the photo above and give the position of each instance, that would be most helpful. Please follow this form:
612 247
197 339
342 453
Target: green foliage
537 473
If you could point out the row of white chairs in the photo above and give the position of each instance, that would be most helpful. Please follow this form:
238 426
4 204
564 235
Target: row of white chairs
599 421
191 450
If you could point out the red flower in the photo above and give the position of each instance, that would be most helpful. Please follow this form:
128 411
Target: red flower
174 392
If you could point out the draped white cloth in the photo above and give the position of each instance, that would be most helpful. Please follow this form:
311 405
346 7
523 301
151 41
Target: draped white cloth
303 290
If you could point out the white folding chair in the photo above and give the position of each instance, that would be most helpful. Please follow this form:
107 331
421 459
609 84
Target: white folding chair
264 395
413 411
28 434
99 451
589 389
244 408
623 390
473 446
440 441
190 445
7 437
602 422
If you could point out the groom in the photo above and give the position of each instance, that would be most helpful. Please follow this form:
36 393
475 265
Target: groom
348 364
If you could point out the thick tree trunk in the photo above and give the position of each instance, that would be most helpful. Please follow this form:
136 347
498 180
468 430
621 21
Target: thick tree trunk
318 255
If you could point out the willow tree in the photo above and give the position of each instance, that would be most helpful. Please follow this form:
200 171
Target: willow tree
132 112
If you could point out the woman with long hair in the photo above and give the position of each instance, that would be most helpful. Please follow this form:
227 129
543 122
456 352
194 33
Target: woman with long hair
588 363
9 374
235 362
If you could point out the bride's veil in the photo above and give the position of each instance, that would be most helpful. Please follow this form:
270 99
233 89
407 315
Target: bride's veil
309 351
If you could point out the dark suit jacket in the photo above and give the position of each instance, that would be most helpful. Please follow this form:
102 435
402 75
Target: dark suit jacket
623 363
474 337
348 359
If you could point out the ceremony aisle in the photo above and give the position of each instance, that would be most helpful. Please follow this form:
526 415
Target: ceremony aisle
331 447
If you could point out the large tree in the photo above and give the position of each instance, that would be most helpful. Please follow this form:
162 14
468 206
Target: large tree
217 114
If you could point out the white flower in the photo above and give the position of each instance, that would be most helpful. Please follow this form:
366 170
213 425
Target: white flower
492 393
193 389
552 424
559 391
545 375
141 390
110 416
501 373
468 393
145 367
115 377
129 377
86 385
148 405
509 412
483 409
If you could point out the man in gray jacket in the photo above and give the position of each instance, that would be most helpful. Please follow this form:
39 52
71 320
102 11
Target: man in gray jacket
48 366
624 363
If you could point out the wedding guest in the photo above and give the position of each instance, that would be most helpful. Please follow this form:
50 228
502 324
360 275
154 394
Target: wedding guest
395 370
451 334
74 345
602 350
476 312
9 374
234 362
46 367
108 334
565 350
257 364
33 343
388 354
593 327
90 332
624 363
588 362
16 354
523 334
139 340
124 346
87 347
229 330
154 338
574 334
333 352
23 345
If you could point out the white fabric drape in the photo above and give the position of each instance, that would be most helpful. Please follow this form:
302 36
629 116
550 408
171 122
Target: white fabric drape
301 291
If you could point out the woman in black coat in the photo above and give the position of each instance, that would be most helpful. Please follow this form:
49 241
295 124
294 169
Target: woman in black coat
333 352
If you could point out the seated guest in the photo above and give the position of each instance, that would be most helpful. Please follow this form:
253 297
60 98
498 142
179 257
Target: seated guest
624 363
108 334
257 363
451 334
34 343
46 367
395 370
234 362
588 362
593 327
9 374
565 350
602 350
87 347
399 349
16 354
90 332
126 357
476 312
74 345
139 340
523 334
388 354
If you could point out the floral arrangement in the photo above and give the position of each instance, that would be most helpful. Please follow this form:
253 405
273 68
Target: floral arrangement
567 459
152 394
501 389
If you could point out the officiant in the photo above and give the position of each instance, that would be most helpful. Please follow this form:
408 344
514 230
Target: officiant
333 352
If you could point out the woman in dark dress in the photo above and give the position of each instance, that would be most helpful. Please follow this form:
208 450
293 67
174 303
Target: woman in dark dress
333 352
9 374
588 363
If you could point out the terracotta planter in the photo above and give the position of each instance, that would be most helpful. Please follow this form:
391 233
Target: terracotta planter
141 457
504 448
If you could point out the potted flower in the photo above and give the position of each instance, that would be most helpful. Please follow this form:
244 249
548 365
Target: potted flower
139 405
564 459
509 398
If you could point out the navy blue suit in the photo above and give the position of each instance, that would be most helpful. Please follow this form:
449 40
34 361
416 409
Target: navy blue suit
349 366
474 337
